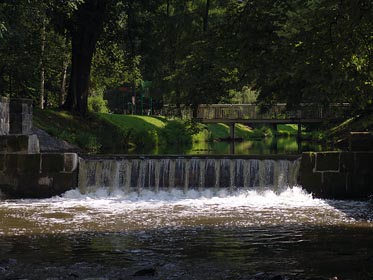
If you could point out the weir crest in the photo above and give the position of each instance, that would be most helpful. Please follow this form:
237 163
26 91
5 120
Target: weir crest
198 173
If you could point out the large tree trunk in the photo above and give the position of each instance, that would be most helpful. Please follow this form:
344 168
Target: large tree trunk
86 29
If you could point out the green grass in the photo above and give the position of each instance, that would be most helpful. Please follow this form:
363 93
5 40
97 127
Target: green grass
341 131
102 132
134 122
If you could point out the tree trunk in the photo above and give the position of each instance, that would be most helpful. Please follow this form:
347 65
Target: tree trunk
42 68
85 32
206 17
63 83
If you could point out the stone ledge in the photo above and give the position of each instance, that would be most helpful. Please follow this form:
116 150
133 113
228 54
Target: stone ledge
19 144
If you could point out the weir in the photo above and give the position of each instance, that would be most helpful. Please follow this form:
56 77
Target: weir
134 174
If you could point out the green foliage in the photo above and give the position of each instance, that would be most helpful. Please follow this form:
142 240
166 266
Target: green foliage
306 51
244 96
97 104
88 142
175 133
195 51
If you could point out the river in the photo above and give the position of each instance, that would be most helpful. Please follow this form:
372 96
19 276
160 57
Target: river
262 230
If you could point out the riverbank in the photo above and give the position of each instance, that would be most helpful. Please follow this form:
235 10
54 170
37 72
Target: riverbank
114 133
340 134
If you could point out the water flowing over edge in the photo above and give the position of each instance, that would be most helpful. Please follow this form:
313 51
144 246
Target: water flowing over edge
161 174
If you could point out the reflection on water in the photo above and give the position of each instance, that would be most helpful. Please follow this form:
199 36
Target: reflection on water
205 234
266 146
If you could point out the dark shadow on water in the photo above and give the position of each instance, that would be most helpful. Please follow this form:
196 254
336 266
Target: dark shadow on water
193 253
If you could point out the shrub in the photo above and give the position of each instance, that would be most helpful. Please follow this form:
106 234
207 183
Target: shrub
145 139
175 133
97 104
88 142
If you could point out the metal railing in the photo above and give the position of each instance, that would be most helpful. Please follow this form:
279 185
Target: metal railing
305 111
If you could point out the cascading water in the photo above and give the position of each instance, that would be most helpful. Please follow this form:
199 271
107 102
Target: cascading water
186 218
155 174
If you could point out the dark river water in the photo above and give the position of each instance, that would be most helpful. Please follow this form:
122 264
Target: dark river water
175 234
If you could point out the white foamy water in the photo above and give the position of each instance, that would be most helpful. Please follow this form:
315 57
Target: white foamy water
101 211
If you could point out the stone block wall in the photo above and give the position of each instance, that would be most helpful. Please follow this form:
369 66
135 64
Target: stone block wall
20 116
4 116
24 171
37 175
19 144
338 175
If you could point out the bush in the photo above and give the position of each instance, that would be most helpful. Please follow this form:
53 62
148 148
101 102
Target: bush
145 139
97 104
175 133
88 142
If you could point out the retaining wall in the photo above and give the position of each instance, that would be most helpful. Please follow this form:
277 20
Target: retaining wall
24 171
338 175
4 116
37 175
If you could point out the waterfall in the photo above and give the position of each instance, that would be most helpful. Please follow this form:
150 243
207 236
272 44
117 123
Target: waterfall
158 173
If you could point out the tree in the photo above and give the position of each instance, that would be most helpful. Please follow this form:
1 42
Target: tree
85 27
306 51
30 52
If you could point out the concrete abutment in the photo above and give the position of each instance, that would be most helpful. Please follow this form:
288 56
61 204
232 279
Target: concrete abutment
338 175
24 171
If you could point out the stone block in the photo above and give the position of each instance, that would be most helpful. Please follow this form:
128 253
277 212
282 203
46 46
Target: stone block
11 164
2 162
307 164
52 163
361 141
20 116
360 186
4 116
28 164
327 161
335 185
20 144
33 144
364 162
15 107
70 162
17 144
312 183
63 182
33 186
3 144
347 162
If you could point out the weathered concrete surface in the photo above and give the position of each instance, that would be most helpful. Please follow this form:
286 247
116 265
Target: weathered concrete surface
37 175
4 116
19 144
20 116
338 175
50 144
361 141
24 171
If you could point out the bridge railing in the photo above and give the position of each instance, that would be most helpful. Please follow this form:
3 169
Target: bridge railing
278 112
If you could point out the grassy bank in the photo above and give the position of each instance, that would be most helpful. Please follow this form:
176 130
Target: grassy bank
339 134
126 133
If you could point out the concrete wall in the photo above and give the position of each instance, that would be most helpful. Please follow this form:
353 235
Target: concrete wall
15 116
37 175
20 116
24 171
4 116
338 175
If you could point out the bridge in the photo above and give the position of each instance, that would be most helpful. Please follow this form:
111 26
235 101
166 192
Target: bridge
275 114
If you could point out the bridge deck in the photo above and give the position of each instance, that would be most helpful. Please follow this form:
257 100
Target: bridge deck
251 113
263 121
